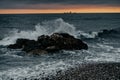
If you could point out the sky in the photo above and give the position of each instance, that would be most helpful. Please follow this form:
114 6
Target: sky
59 6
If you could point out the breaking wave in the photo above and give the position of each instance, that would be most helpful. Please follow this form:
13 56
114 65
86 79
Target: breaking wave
43 28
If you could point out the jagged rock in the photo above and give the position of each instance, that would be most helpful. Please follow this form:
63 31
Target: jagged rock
67 42
46 44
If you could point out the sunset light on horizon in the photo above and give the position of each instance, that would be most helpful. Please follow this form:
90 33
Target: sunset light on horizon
78 10
74 6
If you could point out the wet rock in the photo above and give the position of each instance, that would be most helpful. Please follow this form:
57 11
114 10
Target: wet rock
67 42
24 44
46 44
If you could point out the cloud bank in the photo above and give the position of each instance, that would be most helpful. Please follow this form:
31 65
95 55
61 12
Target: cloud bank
50 4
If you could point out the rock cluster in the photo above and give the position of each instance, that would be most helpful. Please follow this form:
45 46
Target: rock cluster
52 43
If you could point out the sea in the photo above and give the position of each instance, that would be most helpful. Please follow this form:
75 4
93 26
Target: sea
17 65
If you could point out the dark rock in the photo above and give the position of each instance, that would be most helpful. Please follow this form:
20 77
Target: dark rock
45 41
24 44
14 46
64 35
31 45
19 44
53 43
67 42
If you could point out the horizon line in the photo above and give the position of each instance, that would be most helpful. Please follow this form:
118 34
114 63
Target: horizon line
69 13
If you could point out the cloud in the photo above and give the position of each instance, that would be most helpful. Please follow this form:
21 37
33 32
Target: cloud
22 4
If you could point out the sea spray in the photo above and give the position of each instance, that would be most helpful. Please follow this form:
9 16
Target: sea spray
43 28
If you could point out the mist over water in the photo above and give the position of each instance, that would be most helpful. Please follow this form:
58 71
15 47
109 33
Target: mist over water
16 65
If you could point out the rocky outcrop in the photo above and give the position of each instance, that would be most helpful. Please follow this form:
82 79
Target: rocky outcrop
53 43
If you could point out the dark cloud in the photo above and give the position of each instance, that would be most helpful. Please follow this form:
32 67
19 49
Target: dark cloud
8 4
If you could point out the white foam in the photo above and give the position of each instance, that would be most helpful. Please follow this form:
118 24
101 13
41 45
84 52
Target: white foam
117 50
104 53
105 47
10 53
87 35
104 57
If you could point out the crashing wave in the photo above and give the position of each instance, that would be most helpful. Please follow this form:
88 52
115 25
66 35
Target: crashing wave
46 28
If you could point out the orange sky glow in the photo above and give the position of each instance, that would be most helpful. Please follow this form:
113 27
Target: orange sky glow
74 9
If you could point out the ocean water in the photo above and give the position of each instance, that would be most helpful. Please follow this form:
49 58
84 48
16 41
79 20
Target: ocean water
15 64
